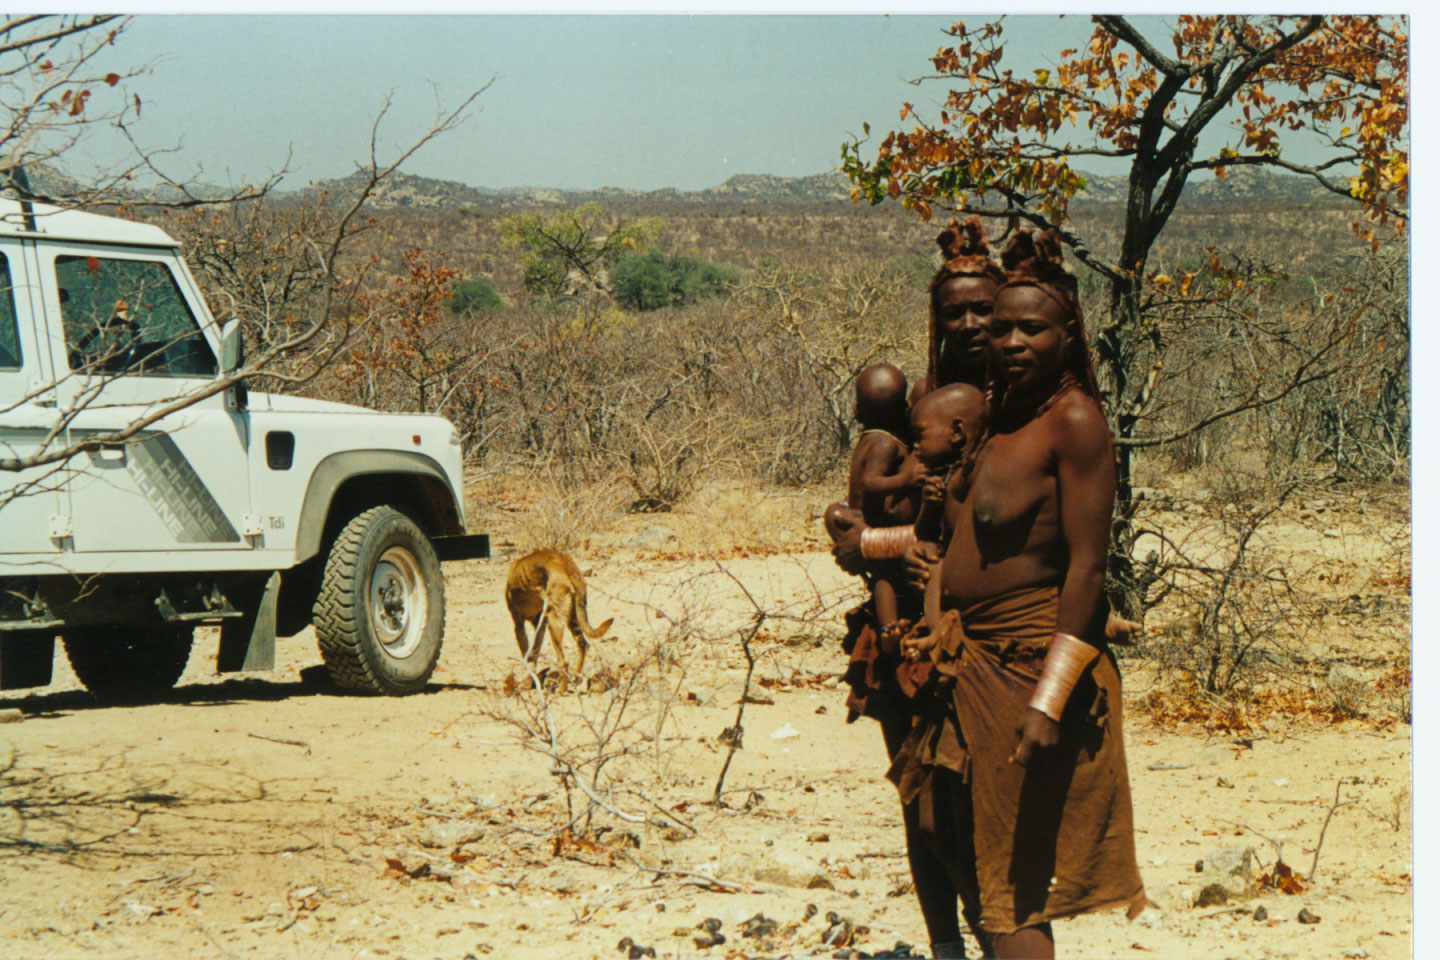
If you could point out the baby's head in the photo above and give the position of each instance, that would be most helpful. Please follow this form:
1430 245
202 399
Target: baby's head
880 396
947 423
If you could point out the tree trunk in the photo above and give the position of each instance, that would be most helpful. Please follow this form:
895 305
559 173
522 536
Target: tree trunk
1115 357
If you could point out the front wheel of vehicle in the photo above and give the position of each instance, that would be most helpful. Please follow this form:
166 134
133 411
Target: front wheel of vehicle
380 614
128 663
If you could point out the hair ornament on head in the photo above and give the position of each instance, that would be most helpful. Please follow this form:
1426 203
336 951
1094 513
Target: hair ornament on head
966 250
1038 260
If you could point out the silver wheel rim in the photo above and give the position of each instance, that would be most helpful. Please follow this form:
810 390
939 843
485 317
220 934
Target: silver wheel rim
398 604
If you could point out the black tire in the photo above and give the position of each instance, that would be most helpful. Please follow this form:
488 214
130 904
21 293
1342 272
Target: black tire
380 615
128 663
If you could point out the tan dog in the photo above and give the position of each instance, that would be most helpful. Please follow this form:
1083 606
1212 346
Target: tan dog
546 588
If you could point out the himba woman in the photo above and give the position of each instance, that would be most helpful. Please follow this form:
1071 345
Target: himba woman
1021 782
961 294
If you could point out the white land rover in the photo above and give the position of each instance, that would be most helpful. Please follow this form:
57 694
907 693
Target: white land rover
262 514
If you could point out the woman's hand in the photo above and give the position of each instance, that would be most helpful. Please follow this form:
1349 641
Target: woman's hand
847 526
917 645
1120 631
1037 732
920 558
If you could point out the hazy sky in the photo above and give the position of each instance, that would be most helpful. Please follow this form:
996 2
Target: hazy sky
638 101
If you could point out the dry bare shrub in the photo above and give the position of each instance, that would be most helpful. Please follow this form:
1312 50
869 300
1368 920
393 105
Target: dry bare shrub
559 514
1238 615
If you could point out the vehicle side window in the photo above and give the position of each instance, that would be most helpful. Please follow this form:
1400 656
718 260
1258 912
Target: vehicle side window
9 327
129 317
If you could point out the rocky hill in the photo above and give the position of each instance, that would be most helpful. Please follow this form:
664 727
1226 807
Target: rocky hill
406 191
760 190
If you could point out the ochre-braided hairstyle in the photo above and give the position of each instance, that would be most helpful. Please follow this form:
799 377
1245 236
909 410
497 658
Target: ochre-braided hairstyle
1038 261
967 254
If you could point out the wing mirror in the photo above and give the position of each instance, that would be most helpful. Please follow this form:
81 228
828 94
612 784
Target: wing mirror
232 358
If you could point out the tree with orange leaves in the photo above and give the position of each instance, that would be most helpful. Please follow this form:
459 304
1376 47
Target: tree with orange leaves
1003 144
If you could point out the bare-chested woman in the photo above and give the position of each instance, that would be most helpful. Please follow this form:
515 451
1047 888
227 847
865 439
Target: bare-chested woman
1025 775
961 295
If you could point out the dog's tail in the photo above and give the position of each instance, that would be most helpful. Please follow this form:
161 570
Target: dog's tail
579 618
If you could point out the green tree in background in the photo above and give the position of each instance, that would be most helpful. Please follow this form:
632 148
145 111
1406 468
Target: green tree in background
566 255
473 296
649 281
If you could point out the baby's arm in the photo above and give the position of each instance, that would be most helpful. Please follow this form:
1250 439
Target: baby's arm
875 478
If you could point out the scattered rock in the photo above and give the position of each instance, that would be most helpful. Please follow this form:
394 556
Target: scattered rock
818 837
1307 917
1331 533
759 926
1162 896
1217 754
1355 953
485 801
1261 913
786 732
556 879
1212 895
451 833
699 695
1150 917
11 715
1347 684
1222 782
650 538
779 867
1233 869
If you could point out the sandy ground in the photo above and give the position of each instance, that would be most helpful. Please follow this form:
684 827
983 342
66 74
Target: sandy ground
258 817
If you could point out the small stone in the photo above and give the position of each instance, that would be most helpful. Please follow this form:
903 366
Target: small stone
11 715
1217 754
1212 895
1162 896
786 732
1222 782
1150 917
1355 953
1261 913
1233 868
1307 917
451 833
1330 533
650 538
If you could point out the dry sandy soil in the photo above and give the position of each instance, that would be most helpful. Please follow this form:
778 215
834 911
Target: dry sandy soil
259 817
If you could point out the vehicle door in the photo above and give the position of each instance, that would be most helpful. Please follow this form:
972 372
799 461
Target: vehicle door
132 341
30 499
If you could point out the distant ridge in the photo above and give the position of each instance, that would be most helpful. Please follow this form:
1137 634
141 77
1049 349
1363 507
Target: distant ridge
406 191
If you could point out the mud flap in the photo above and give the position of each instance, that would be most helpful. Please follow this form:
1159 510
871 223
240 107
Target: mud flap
248 643
25 660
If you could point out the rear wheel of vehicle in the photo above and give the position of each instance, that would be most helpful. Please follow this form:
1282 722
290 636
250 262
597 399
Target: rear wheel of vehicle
380 615
128 663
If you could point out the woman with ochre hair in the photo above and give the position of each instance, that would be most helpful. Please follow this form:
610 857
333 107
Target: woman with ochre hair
1025 771
961 294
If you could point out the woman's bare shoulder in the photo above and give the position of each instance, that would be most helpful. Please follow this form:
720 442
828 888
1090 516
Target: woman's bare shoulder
1079 424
